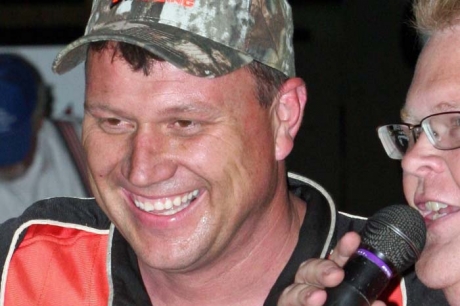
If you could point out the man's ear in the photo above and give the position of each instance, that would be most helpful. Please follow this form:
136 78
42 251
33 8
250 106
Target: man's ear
288 113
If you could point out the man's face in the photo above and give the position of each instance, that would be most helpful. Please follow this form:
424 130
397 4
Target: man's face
185 167
431 177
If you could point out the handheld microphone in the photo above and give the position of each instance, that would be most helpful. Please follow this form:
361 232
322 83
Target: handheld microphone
391 241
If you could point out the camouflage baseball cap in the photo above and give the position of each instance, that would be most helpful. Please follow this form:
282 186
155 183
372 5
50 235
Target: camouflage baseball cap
207 38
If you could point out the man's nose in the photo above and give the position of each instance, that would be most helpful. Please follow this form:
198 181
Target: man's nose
423 158
149 159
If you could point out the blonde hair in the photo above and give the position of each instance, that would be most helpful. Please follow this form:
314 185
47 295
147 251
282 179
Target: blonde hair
435 15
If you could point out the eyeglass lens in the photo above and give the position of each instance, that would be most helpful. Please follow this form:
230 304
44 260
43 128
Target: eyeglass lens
396 139
443 131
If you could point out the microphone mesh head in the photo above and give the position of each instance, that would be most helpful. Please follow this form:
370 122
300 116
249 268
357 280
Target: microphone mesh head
398 232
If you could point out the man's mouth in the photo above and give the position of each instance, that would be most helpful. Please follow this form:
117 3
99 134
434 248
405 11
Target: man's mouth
433 210
166 206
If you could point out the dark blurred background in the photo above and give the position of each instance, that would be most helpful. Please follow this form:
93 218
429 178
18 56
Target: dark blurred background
357 58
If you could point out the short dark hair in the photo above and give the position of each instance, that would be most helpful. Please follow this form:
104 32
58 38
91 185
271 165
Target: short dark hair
268 80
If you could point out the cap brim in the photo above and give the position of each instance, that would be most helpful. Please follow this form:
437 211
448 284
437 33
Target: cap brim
15 144
192 53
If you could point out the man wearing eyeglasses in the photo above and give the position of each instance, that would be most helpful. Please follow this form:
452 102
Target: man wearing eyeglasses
427 142
429 156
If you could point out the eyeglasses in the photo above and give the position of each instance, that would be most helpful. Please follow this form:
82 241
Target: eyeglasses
442 130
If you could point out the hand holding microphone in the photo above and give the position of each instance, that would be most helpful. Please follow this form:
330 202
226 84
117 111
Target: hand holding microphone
391 242
397 232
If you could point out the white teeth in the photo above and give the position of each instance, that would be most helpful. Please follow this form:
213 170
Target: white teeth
437 216
435 206
139 204
148 206
159 206
168 206
176 201
433 210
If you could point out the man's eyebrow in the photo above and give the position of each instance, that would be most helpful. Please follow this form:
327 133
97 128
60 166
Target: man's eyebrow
181 109
190 108
96 106
405 116
446 107
439 108
103 107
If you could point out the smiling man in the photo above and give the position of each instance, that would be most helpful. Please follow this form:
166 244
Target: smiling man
190 111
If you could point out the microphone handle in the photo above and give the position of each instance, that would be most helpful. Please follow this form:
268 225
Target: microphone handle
364 281
345 295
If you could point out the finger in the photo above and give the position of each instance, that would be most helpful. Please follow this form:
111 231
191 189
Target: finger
319 273
302 295
378 303
346 246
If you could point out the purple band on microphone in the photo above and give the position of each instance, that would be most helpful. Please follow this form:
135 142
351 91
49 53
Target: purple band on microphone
380 263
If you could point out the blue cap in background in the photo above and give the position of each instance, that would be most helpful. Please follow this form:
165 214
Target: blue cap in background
18 99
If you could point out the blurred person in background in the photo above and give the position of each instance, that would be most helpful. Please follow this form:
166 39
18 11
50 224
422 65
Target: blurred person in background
39 157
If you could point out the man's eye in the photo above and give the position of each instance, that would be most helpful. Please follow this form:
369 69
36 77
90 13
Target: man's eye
184 123
112 121
115 126
449 120
186 127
